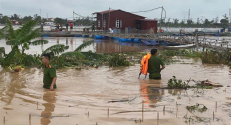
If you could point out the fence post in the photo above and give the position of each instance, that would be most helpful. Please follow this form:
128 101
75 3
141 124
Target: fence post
196 31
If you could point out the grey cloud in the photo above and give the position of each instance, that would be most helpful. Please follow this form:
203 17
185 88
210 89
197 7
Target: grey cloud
61 8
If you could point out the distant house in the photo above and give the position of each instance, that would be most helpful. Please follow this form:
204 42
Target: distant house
49 24
120 19
51 19
15 22
70 21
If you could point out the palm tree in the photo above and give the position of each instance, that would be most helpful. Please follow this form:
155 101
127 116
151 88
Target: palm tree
20 40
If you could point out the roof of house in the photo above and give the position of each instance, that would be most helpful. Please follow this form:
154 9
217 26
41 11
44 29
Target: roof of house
146 20
106 11
109 11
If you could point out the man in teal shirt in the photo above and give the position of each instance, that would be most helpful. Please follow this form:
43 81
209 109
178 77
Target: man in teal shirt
154 64
49 76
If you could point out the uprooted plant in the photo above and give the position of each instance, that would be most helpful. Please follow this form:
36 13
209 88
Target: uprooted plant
198 107
194 118
118 60
177 83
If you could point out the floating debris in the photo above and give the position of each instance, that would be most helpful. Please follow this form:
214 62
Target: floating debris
208 83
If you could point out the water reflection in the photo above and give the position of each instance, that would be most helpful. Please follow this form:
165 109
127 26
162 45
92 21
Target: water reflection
99 46
150 90
71 42
112 46
50 99
66 41
58 40
10 85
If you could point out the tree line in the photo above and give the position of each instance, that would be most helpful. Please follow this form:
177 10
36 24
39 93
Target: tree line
80 21
224 22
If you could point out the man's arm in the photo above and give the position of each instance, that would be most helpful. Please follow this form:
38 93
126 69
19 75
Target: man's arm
162 64
53 83
53 75
162 67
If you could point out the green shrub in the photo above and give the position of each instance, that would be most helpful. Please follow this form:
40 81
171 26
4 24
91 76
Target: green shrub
118 60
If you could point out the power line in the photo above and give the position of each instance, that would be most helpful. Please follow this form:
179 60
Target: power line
148 10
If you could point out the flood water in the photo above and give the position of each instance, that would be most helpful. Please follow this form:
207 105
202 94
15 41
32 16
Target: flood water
99 46
119 89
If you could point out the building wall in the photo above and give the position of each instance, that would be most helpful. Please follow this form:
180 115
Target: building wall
128 20
146 25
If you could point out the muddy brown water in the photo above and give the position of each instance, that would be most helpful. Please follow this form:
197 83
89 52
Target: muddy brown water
99 46
93 90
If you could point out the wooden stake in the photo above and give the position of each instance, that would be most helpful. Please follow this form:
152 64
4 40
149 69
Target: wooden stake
176 106
213 115
108 112
88 114
176 113
96 123
164 110
4 120
216 107
29 119
37 105
143 111
29 116
157 118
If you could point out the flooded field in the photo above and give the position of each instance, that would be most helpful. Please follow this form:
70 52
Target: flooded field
83 97
99 46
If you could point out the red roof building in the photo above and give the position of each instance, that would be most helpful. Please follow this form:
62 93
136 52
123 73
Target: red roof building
119 19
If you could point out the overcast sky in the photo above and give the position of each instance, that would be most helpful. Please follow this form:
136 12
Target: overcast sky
64 8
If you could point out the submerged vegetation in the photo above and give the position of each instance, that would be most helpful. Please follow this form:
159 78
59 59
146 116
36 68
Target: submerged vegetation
177 83
209 56
118 60
198 107
193 118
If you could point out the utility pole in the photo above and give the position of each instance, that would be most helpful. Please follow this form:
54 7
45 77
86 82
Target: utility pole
102 22
161 17
109 18
189 14
40 16
47 16
197 46
73 15
229 15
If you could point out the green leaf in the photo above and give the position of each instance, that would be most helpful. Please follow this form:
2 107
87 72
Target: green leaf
31 35
82 46
11 30
27 28
26 46
2 51
56 49
3 32
39 42
12 42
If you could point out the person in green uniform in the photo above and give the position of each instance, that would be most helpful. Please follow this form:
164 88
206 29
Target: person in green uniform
49 75
155 65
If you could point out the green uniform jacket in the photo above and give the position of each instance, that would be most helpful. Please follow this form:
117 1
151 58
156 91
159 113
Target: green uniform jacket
154 64
48 75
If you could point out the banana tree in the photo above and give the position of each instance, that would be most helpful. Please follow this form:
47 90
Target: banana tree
20 40
60 58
